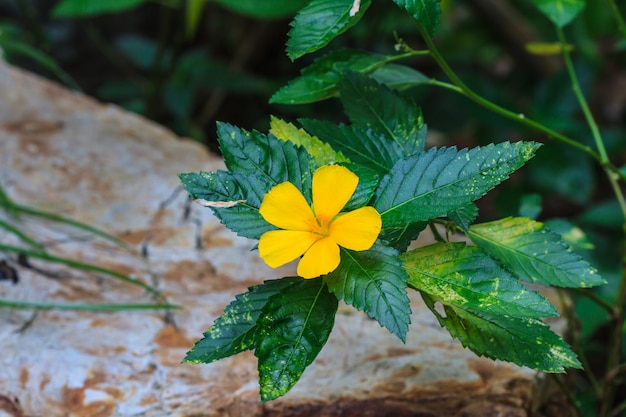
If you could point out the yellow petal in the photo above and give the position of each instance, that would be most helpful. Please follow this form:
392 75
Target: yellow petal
323 257
278 247
356 230
333 185
284 206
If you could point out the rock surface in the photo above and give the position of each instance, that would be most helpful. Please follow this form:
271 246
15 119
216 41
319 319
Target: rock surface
66 153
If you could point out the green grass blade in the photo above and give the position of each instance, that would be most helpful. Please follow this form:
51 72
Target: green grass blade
38 305
83 266
60 219
6 202
22 236
42 59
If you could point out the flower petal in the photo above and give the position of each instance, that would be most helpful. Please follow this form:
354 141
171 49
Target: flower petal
323 257
285 207
278 247
333 185
356 230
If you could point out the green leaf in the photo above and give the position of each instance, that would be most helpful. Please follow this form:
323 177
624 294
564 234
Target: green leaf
368 181
400 237
466 277
364 147
141 51
292 330
399 77
82 8
426 12
264 9
320 80
371 105
533 253
561 12
193 14
573 235
233 332
437 182
265 156
523 341
464 216
375 282
322 152
530 206
320 22
18 46
234 198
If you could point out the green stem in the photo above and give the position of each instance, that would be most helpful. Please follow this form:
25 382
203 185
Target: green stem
568 312
593 126
615 348
601 302
617 314
521 118
568 394
618 17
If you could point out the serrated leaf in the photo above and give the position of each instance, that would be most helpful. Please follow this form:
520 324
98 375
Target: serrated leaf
434 183
561 12
399 77
243 218
533 253
375 282
256 154
82 8
400 237
371 105
320 22
364 147
320 80
368 181
233 332
466 277
322 152
523 341
292 329
464 216
424 11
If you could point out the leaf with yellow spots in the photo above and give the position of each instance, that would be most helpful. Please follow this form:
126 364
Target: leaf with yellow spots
322 152
523 341
233 332
533 253
466 277
293 328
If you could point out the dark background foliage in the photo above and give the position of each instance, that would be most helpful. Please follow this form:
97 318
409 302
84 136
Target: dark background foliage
149 60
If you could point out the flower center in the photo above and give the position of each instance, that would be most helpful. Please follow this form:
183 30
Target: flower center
321 226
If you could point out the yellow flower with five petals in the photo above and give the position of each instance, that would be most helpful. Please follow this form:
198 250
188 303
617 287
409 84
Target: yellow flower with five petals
318 230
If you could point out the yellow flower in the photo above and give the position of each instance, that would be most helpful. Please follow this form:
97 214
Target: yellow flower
316 231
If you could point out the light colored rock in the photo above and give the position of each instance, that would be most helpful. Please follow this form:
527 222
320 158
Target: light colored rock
66 153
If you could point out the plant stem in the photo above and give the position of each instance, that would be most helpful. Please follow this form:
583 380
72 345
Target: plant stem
521 118
617 316
595 132
618 17
568 312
